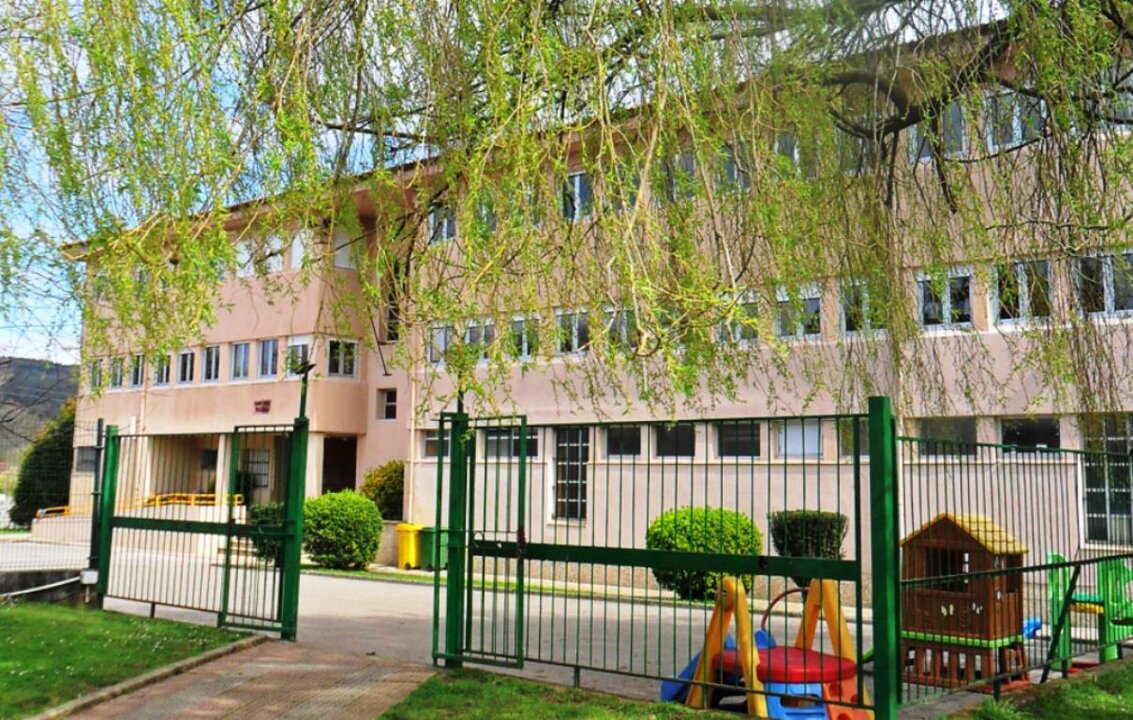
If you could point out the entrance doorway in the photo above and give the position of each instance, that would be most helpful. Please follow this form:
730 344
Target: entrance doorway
340 463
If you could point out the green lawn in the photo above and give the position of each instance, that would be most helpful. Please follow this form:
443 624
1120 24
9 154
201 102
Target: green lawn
50 654
477 695
1101 695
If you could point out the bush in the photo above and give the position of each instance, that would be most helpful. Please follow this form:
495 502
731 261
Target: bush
385 485
808 534
267 548
708 530
44 479
341 530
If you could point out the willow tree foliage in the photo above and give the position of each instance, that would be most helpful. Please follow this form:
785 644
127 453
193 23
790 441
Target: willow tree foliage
740 154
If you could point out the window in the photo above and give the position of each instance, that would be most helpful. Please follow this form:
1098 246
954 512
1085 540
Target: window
257 466
948 436
263 256
298 354
161 369
578 196
1032 433
137 370
208 458
210 363
442 224
573 331
741 328
851 430
343 358
1022 291
485 218
524 340
344 250
680 176
951 135
858 314
622 328
503 442
1108 491
185 366
393 318
480 335
239 361
623 441
736 172
800 316
301 245
86 458
787 148
117 372
946 302
1105 283
737 439
1012 119
1117 107
440 337
434 445
677 440
94 374
626 182
799 438
269 357
572 456
387 404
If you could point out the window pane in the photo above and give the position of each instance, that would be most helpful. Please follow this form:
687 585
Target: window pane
1009 300
572 454
623 440
812 316
1091 284
800 439
583 324
1032 432
948 436
853 307
1123 282
1037 276
739 439
675 440
953 129
932 309
960 294
849 431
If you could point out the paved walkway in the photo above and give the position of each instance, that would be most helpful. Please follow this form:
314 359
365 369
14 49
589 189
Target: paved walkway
293 681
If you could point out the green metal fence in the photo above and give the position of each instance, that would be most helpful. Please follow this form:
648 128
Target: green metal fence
1015 562
548 560
208 522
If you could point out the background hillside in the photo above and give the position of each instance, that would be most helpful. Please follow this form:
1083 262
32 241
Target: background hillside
31 393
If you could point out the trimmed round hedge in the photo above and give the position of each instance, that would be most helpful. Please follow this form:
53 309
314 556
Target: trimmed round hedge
808 534
341 530
705 530
385 485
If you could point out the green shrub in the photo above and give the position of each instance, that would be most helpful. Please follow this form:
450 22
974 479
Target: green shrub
808 534
707 530
342 530
267 548
44 479
385 485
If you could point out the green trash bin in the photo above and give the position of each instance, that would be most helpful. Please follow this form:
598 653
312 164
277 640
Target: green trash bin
434 549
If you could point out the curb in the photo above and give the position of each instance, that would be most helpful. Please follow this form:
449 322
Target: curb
140 681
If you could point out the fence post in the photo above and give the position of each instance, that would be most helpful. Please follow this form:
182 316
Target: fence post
106 511
457 518
293 522
96 503
884 558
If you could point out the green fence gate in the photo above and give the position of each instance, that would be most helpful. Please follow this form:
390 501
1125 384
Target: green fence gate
548 560
209 522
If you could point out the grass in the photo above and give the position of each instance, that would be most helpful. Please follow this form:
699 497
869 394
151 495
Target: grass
50 654
476 695
1100 695
14 531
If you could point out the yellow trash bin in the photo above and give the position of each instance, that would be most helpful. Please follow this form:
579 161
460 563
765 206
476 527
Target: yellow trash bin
408 545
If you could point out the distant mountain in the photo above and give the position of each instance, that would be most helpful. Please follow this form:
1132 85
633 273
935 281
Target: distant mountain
31 393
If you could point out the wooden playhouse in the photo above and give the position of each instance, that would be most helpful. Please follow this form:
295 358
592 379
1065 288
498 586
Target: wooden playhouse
962 626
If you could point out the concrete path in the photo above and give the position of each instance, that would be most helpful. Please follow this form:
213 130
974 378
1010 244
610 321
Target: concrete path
273 680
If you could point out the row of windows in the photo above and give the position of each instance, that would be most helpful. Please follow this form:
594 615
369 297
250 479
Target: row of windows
182 369
1021 291
265 255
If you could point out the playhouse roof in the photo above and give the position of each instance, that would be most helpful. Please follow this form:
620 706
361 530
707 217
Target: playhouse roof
992 537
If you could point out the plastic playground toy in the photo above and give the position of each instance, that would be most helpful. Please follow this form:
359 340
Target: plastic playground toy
783 682
1111 605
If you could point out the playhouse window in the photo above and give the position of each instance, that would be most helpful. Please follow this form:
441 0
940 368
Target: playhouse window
954 565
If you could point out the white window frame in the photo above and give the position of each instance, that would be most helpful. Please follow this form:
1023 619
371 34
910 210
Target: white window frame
487 331
525 349
572 191
191 357
1109 262
342 344
733 332
293 343
867 314
812 291
272 369
434 351
239 356
1019 269
210 364
918 139
163 370
343 250
618 327
94 375
384 397
137 370
302 242
1018 124
575 343
804 451
117 373
683 165
442 224
946 299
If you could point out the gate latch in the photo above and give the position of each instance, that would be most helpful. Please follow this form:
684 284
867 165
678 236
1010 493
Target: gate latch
520 543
